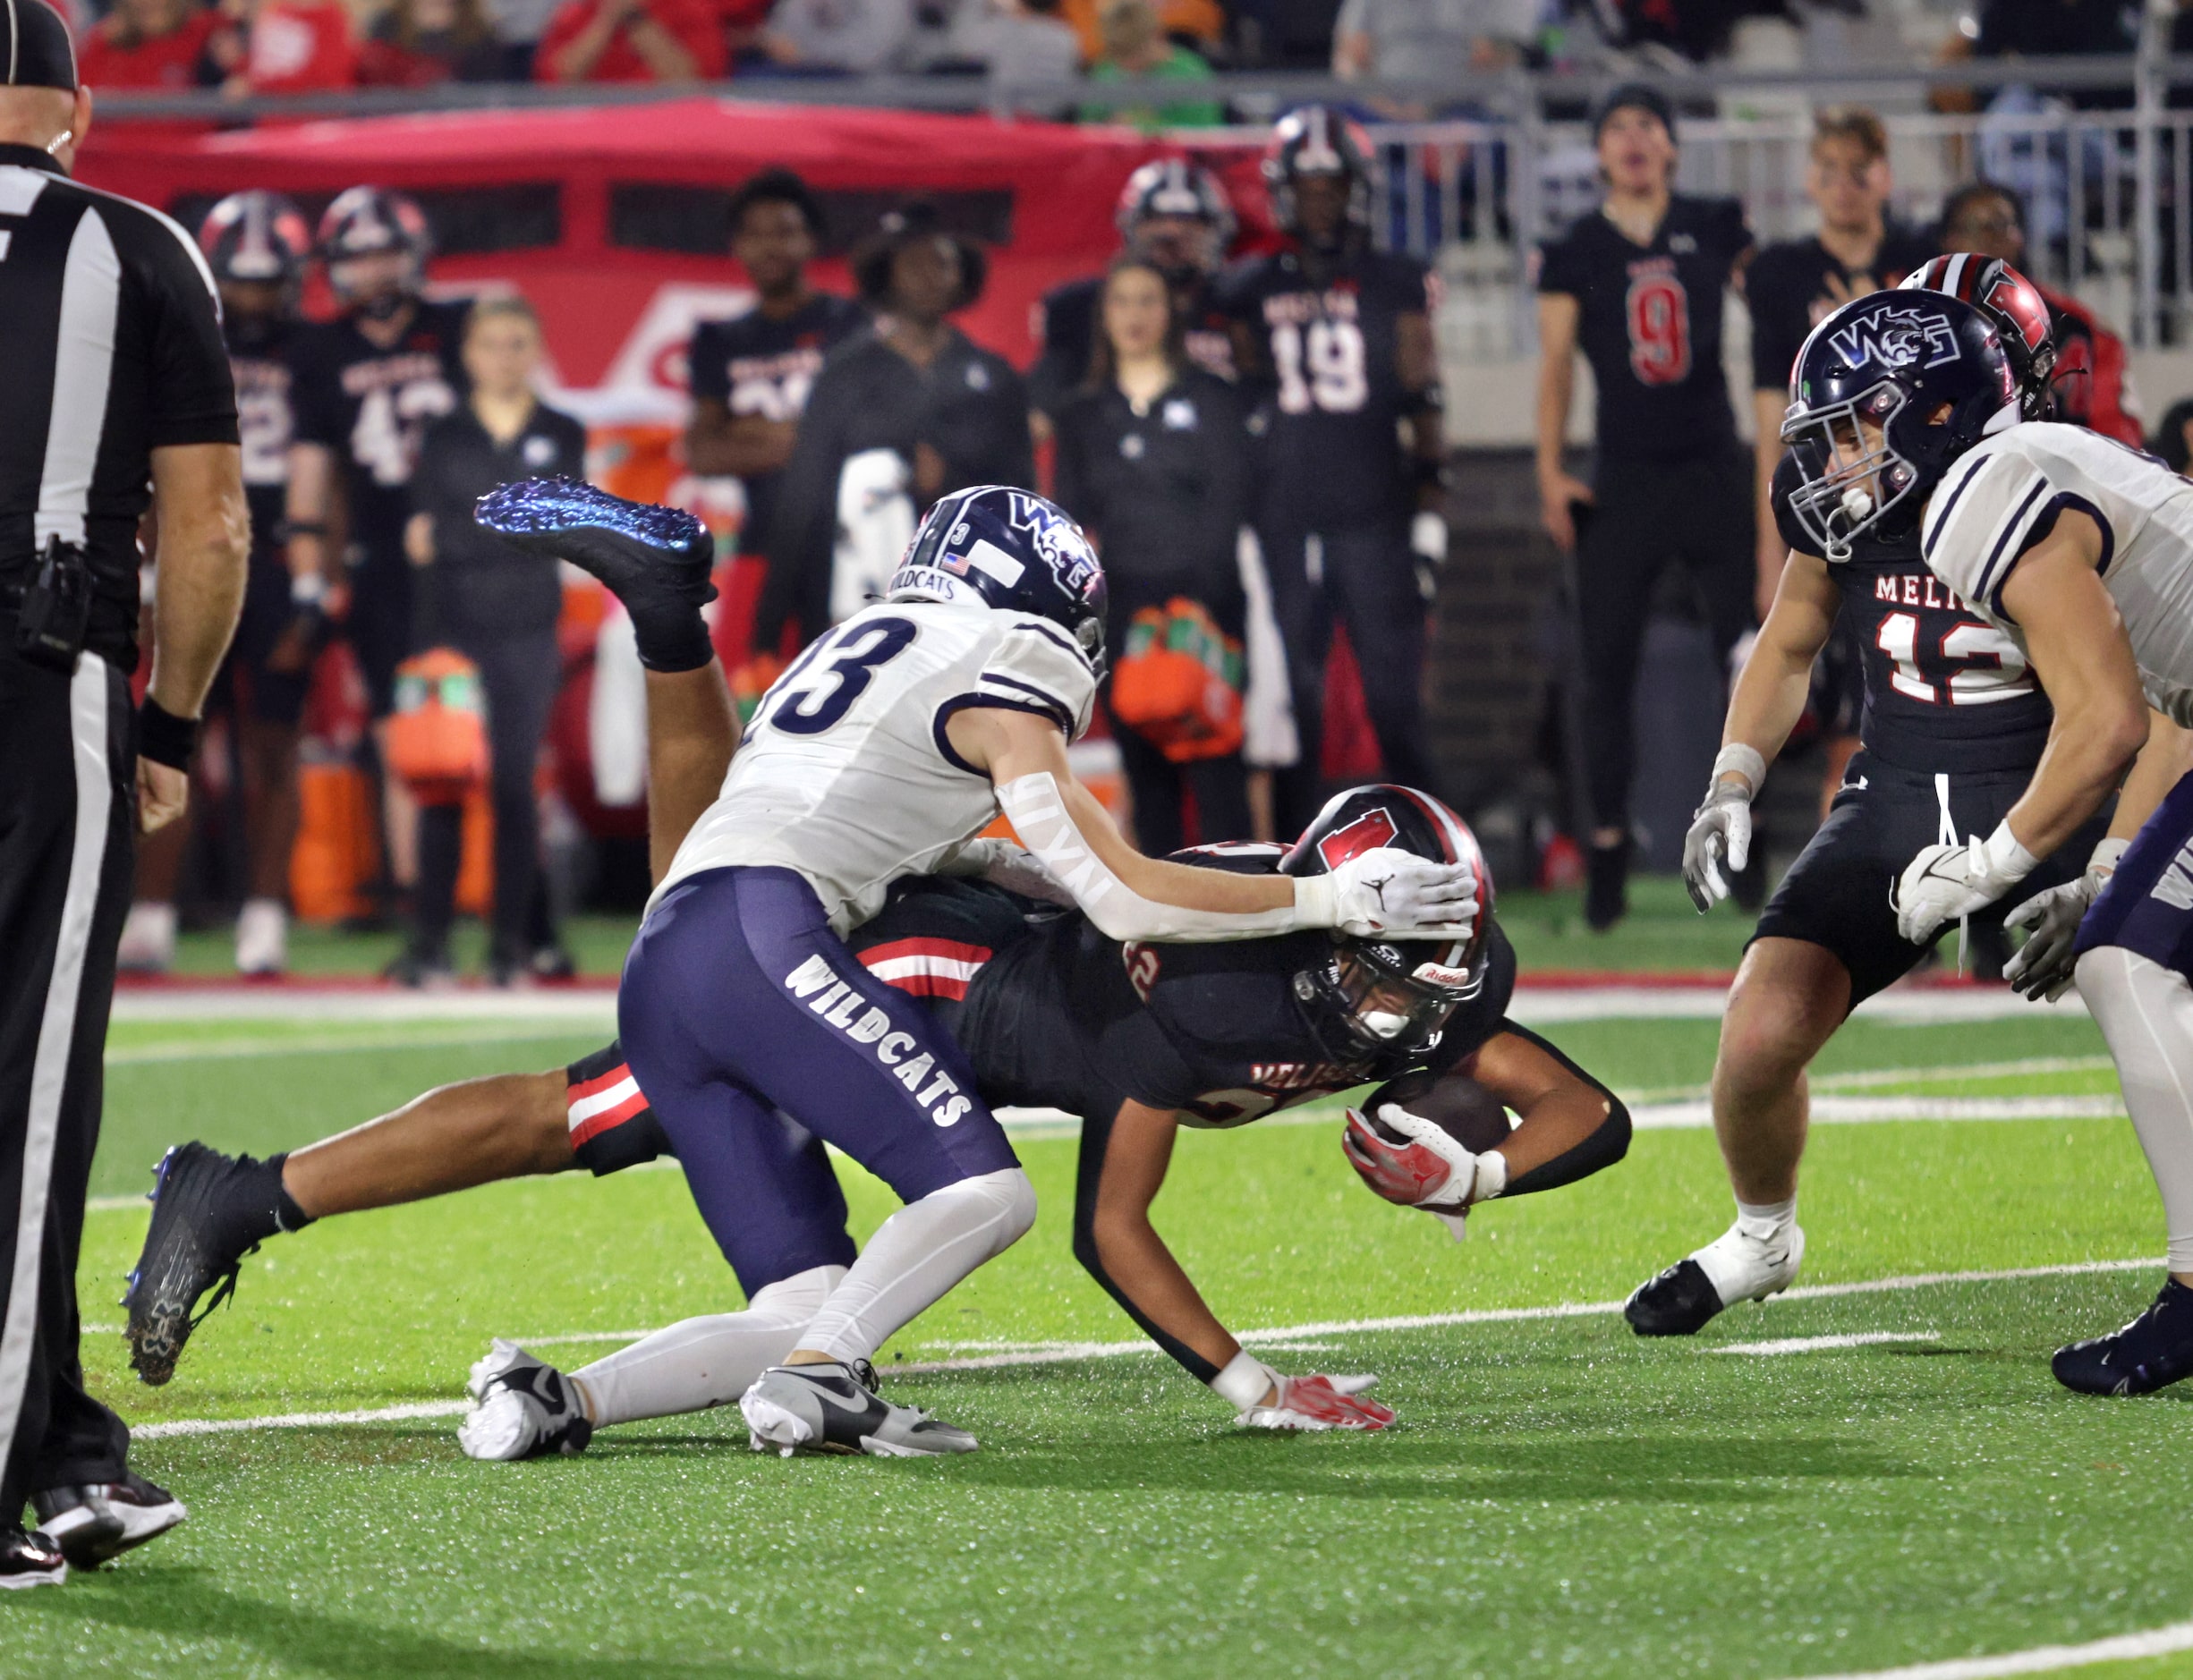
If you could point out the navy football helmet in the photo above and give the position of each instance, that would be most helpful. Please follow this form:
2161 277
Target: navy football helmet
1887 393
1317 140
2016 306
1386 996
993 545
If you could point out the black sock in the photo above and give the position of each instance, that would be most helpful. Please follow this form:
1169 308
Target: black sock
672 636
259 1206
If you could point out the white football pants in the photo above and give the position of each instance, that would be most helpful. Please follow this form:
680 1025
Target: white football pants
2146 1013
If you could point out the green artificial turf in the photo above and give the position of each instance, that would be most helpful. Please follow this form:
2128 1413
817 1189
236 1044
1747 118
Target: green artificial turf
1561 1498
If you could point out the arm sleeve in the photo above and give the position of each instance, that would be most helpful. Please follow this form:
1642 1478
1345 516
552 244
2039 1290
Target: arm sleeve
190 390
1602 1150
1986 512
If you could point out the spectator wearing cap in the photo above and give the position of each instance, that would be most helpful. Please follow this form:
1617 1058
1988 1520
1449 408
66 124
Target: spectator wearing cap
838 38
421 43
631 41
1636 287
1136 48
904 411
2092 385
151 43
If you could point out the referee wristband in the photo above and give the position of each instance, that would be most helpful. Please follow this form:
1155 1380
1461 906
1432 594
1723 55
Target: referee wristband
164 738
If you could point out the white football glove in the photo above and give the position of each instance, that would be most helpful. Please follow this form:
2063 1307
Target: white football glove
1263 1399
1389 891
1721 828
1431 1170
2043 966
1944 882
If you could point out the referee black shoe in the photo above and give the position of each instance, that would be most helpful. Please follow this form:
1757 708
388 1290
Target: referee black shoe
31 1560
196 1241
2151 1352
99 1521
656 560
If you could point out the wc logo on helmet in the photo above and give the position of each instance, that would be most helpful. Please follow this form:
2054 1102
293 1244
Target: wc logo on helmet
1894 337
1367 833
1059 541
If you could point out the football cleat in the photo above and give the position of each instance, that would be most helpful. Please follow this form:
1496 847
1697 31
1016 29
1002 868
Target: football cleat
835 1408
2151 1352
522 1408
640 551
1738 1265
184 1255
99 1521
31 1560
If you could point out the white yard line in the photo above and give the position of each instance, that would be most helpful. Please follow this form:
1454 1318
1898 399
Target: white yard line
1678 1116
1873 1078
224 1049
1825 1344
2157 1641
299 1420
1919 1006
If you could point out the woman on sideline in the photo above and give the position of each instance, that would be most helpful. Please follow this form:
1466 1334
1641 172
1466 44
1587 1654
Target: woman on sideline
1153 461
498 607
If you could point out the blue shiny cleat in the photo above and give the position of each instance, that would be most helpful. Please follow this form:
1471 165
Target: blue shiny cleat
2151 1352
654 560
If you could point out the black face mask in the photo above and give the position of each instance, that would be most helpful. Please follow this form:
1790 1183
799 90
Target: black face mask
383 306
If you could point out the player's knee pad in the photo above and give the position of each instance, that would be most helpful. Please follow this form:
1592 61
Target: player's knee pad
799 1297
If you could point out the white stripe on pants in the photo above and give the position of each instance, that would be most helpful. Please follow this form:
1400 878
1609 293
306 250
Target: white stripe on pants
49 1069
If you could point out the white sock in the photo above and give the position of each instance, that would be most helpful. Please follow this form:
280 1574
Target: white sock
706 1361
1764 1220
2146 1011
921 1252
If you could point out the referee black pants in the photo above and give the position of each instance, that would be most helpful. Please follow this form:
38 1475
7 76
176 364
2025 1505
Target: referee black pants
67 822
1363 576
1648 513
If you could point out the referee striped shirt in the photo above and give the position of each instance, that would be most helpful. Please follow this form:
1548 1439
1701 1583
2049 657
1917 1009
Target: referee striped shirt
110 339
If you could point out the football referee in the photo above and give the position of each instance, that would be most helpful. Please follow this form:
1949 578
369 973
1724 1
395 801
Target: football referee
118 396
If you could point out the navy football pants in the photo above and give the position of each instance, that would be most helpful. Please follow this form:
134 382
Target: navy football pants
2148 905
737 1002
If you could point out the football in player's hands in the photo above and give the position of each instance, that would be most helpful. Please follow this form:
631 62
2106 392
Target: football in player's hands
1436 1150
1469 1114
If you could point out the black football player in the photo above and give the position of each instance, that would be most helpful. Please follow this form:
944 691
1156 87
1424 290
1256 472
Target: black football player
366 386
1336 336
1953 726
1175 215
1139 1039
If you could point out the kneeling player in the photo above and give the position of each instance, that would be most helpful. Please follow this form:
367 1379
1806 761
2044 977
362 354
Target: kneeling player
1954 724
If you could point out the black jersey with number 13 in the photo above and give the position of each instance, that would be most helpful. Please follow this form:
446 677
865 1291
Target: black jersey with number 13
1331 361
1649 322
1944 692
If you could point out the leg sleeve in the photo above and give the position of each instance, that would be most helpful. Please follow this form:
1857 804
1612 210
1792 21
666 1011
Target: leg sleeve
2146 1011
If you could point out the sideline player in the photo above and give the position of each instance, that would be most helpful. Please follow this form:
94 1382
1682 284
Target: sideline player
2080 549
1049 1012
1174 215
365 386
889 744
1339 336
257 244
1954 724
750 376
1637 286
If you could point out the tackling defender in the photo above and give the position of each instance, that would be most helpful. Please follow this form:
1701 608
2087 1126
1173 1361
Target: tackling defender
1954 724
2079 551
882 753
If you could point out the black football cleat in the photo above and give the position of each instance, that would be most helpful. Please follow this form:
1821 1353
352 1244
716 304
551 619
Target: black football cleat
99 1521
185 1254
640 551
2151 1353
1680 1301
1752 1264
31 1560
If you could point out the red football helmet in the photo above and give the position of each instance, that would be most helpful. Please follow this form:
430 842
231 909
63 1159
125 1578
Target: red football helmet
2016 307
1393 995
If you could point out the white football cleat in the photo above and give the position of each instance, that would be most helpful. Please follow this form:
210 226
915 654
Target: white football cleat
1749 1261
522 1408
262 938
148 939
835 1408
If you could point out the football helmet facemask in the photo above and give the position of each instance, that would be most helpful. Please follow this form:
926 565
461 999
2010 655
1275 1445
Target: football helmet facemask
1887 394
1379 997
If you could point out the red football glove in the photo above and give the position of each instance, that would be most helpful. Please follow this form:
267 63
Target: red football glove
1430 1170
1319 1402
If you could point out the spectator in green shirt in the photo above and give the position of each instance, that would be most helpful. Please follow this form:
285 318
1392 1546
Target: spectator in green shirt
1134 46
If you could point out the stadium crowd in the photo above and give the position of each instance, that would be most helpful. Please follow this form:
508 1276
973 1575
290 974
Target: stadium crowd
1254 439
